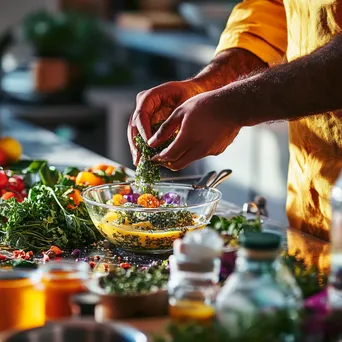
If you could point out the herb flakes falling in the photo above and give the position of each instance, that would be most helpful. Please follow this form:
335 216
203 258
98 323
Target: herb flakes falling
148 172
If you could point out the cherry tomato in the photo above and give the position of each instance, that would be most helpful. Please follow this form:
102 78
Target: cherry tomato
16 183
88 178
7 195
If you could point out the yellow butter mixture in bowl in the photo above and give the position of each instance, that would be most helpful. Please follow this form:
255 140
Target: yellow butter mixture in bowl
149 222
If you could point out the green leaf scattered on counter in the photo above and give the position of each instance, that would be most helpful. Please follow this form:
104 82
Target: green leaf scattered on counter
235 226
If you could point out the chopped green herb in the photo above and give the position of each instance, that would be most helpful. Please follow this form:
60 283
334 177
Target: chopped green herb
147 172
135 280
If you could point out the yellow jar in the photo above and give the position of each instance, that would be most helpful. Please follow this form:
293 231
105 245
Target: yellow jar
22 303
61 281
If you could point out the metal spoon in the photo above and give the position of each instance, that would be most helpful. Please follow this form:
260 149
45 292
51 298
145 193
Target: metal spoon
222 176
209 177
209 180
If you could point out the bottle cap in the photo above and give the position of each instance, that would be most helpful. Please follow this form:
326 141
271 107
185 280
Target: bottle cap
263 241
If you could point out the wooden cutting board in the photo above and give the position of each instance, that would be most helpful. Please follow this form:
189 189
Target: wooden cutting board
151 21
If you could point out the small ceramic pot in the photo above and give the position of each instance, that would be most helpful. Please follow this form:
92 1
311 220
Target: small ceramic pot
113 307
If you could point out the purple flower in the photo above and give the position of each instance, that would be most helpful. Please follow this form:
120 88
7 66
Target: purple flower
76 253
171 198
132 198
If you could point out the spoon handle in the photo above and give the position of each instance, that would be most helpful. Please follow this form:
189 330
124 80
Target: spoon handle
222 176
205 180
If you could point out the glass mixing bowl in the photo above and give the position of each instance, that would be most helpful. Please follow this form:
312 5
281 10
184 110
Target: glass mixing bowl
149 230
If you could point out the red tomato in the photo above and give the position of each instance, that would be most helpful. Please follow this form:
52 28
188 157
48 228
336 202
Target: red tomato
16 183
20 182
3 179
9 194
6 196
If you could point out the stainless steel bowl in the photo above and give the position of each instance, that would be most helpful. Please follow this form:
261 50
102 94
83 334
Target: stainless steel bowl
80 331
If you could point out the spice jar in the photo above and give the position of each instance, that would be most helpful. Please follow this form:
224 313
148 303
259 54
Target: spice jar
21 300
259 289
61 281
194 274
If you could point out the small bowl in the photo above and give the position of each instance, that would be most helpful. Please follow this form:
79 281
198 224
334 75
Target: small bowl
111 307
80 331
139 238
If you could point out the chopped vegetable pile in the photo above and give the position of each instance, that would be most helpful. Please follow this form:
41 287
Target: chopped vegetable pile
53 211
133 280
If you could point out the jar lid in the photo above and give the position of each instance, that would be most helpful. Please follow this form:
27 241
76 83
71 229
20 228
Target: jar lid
263 241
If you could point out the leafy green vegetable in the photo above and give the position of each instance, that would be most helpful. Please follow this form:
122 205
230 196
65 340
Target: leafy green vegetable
49 176
71 171
43 219
235 226
35 166
135 280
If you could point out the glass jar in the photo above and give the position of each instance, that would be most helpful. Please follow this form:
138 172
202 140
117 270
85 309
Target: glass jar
61 281
259 286
22 304
194 275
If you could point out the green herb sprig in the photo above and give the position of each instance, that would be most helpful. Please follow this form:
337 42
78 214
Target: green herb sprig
148 172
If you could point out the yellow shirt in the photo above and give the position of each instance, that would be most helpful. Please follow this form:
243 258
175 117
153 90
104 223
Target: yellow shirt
277 31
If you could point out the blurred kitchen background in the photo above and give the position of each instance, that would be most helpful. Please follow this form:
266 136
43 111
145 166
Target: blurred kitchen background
75 66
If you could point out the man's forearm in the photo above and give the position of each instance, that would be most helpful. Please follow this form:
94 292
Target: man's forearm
306 86
227 67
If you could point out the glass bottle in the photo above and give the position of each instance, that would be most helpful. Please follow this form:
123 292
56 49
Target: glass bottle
259 287
194 275
22 303
61 281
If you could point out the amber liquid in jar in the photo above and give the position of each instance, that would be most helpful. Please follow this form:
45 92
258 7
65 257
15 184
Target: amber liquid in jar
61 281
22 304
186 310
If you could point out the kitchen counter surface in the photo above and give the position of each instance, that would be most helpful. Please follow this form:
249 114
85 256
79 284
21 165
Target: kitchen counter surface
39 143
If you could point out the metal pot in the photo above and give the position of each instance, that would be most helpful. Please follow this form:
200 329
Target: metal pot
80 331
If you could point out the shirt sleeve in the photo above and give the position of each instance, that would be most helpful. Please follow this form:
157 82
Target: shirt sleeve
258 26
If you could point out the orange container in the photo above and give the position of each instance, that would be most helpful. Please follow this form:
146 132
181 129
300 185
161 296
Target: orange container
61 281
21 300
187 310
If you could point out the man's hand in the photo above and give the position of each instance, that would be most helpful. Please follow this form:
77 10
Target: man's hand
205 128
158 103
155 105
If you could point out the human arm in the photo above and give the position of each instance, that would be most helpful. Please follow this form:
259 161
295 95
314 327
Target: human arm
254 38
309 85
